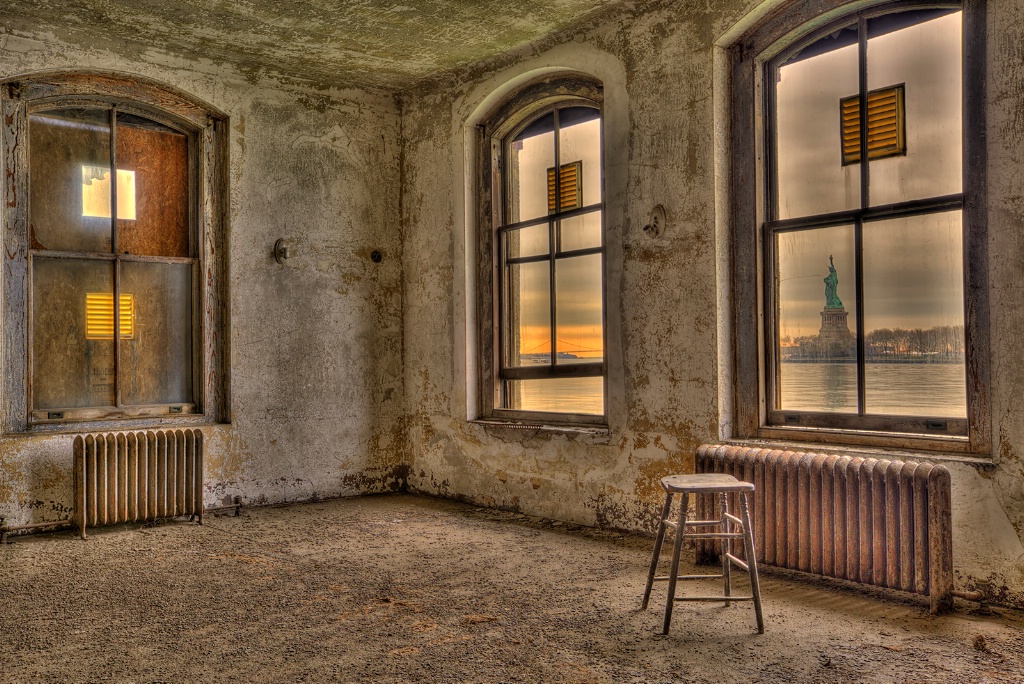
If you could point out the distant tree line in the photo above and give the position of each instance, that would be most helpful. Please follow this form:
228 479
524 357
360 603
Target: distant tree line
941 343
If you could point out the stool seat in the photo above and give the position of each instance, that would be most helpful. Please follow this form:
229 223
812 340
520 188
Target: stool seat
704 483
726 529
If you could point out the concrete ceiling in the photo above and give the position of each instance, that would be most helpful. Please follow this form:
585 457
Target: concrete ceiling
382 44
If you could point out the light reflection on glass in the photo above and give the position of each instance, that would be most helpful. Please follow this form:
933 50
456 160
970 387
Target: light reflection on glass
926 57
584 396
530 314
580 232
530 156
811 176
579 328
914 316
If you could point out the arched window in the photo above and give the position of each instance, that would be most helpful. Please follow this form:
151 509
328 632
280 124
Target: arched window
864 227
113 234
544 246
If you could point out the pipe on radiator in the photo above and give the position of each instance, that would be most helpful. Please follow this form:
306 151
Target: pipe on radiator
5 530
236 506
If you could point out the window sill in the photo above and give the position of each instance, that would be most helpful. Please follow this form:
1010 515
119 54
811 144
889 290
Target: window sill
904 451
140 423
519 431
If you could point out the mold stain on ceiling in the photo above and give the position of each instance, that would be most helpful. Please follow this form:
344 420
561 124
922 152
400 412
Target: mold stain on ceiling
379 44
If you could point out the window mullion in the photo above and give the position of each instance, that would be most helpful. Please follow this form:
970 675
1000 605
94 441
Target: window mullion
865 202
117 263
926 205
553 237
504 303
568 213
499 326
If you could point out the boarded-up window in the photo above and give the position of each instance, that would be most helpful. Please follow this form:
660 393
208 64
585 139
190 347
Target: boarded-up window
886 125
84 260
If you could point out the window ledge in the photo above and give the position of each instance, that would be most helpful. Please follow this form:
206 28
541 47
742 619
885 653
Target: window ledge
520 431
120 425
890 453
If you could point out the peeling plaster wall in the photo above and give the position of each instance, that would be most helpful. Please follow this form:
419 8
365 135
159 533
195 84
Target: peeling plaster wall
349 377
315 380
663 386
996 552
669 385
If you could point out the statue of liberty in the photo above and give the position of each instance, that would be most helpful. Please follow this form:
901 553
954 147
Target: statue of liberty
832 300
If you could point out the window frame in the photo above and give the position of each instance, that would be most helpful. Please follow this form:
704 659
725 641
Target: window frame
514 113
751 197
206 131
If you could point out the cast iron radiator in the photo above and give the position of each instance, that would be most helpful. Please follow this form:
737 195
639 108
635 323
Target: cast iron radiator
137 476
873 521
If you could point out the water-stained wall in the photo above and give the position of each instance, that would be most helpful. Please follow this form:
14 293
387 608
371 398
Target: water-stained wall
656 69
314 344
669 303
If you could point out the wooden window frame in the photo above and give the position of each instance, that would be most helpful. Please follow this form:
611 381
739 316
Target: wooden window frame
207 132
751 177
525 105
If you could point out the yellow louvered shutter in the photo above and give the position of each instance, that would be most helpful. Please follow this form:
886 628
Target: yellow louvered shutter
99 316
886 125
571 187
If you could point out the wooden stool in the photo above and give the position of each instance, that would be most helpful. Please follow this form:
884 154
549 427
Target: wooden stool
729 527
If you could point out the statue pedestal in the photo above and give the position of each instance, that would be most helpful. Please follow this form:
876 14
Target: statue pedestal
834 338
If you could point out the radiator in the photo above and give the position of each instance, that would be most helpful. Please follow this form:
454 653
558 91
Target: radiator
129 477
872 521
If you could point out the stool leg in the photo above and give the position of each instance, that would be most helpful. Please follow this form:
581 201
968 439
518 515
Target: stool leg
677 547
726 545
748 547
657 548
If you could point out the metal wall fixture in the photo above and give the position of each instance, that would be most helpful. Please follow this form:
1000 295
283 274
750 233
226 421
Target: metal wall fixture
280 251
655 226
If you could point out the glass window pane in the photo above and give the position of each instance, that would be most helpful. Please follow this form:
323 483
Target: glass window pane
72 340
926 58
584 396
69 177
157 159
530 155
914 316
529 314
156 358
579 309
579 140
811 176
580 232
816 345
527 242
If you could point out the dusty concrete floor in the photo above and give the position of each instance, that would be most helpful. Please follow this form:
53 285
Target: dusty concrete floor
400 588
